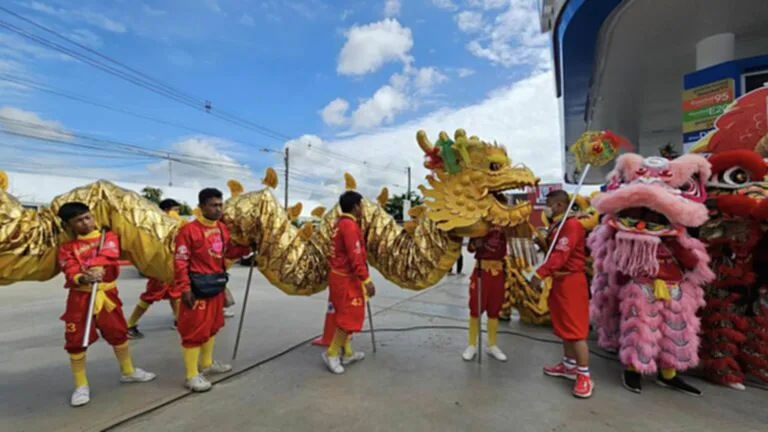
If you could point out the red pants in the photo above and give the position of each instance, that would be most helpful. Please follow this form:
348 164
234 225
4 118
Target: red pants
111 325
492 293
348 302
203 320
569 307
156 291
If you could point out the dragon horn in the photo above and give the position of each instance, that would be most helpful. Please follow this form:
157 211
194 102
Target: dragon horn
349 182
270 179
295 211
3 181
235 187
460 133
424 143
318 212
383 197
444 136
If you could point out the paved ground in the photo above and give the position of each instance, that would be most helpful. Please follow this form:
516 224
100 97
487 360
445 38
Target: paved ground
415 382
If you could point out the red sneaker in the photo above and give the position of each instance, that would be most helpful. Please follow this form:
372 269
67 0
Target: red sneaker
583 387
559 370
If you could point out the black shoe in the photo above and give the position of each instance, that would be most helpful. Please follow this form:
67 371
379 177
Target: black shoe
134 333
632 381
677 383
505 318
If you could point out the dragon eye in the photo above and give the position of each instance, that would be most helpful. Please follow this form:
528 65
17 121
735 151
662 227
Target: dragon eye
690 187
735 176
495 166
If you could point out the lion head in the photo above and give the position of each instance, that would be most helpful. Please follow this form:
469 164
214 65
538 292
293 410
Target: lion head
468 181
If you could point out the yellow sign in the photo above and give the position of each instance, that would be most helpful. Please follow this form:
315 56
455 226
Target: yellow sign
703 104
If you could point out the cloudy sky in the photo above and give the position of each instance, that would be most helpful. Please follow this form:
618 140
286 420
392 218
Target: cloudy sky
344 84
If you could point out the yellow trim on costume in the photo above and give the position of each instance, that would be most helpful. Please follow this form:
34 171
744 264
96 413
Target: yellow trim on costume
349 215
661 290
90 236
101 299
77 277
207 222
367 281
493 266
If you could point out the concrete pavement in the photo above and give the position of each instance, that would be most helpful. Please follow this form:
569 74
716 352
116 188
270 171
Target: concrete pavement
415 382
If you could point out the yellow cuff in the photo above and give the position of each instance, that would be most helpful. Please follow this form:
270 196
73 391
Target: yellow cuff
541 278
367 281
77 278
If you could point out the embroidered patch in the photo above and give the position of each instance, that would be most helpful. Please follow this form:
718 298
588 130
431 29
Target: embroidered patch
182 253
562 245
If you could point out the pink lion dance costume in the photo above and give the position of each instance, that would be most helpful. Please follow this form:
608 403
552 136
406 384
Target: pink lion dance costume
649 272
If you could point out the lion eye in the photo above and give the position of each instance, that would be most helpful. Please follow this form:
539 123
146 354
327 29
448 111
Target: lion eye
495 166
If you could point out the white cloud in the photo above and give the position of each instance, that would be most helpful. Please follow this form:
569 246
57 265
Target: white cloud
246 20
345 14
149 10
490 4
86 37
370 46
523 117
469 21
445 4
84 15
465 72
12 46
335 113
19 121
392 8
212 5
380 108
514 38
427 79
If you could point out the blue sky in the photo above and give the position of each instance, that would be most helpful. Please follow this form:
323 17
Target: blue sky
352 77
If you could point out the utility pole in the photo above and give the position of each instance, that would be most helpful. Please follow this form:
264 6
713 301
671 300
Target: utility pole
287 161
408 170
170 171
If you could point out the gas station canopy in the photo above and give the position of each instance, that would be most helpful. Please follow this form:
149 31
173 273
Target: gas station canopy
624 66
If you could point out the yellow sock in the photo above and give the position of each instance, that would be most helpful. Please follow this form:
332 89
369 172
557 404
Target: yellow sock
77 362
340 339
474 330
493 327
175 308
123 354
348 351
191 357
206 353
668 373
138 311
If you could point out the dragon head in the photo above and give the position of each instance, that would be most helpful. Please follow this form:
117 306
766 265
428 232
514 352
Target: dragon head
654 196
468 181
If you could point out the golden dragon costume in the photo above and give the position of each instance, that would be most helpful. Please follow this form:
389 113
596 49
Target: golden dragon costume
530 303
463 199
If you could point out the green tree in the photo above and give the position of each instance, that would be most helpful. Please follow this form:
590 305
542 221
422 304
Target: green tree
395 204
185 209
153 194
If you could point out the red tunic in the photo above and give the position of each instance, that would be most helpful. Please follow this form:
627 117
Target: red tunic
348 273
492 254
75 257
673 258
199 249
569 298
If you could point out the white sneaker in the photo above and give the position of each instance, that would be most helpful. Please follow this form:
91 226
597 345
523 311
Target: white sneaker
228 314
81 396
496 353
737 386
216 368
138 375
469 353
198 384
355 357
333 363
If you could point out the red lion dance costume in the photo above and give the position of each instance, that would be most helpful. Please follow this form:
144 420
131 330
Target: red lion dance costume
735 320
648 272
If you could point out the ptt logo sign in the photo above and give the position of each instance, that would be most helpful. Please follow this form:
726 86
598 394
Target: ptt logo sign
543 190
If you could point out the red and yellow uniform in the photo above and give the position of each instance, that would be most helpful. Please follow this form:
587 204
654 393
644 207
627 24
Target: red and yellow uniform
201 247
569 299
346 282
489 270
75 257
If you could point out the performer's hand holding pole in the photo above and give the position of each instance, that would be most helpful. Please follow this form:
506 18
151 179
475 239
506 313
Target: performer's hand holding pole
95 278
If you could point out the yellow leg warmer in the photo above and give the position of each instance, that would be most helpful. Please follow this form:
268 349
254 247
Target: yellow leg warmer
340 339
191 357
348 351
206 353
474 330
493 328
138 311
175 308
77 362
123 354
668 373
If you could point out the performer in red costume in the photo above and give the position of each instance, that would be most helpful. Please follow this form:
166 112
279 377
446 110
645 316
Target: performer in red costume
490 252
84 264
569 299
349 283
201 277
156 290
